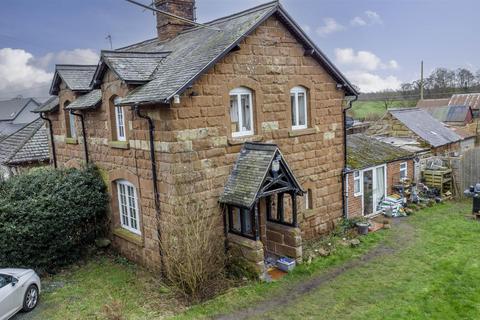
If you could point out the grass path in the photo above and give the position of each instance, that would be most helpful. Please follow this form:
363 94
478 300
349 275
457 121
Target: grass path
403 234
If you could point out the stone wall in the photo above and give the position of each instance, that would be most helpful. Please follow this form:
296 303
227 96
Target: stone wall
284 241
194 147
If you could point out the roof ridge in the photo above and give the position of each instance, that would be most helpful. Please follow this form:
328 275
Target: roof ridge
138 43
76 65
135 52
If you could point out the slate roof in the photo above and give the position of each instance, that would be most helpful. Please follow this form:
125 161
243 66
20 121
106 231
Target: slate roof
468 99
425 126
76 77
50 105
450 113
133 67
29 144
249 173
429 103
87 101
10 109
7 128
364 152
195 50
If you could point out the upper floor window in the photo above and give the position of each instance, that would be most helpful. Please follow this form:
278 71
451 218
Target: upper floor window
128 206
403 170
241 112
298 100
309 199
119 120
70 122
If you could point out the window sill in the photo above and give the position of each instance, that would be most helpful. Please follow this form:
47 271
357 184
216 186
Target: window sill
308 213
129 236
71 140
119 144
241 140
301 132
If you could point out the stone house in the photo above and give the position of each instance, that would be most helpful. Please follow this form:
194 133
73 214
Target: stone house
374 168
246 115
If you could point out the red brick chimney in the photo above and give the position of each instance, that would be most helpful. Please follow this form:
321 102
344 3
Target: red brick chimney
168 28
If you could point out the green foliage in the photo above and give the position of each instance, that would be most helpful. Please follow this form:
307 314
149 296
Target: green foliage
47 216
239 268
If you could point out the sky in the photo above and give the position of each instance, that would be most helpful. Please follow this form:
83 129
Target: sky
377 44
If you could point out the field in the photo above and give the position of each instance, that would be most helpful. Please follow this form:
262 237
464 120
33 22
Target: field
426 267
372 110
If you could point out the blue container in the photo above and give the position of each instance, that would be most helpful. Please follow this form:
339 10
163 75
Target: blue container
286 264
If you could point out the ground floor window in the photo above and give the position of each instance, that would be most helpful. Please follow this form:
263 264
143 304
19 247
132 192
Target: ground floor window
357 183
403 170
128 206
240 221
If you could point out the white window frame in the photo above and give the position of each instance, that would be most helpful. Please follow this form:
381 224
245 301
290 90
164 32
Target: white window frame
358 178
71 124
120 121
296 108
405 169
308 197
238 92
129 198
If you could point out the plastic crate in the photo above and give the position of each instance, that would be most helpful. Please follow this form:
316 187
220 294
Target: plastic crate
286 264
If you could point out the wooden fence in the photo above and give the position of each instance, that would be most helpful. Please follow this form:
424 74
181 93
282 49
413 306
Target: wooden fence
466 170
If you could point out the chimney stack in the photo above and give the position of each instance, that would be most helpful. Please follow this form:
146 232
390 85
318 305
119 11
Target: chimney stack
167 27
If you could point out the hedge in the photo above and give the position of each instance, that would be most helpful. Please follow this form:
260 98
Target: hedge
48 216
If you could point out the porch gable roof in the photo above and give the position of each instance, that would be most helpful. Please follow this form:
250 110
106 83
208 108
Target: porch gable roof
250 172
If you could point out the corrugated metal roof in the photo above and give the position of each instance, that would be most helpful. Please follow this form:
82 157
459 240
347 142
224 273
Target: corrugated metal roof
87 101
468 99
10 109
29 144
364 151
429 103
425 126
50 105
449 113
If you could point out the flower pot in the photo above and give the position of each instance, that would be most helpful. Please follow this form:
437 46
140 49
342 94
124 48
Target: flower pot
362 228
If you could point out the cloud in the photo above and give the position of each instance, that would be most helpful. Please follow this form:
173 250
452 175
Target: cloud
24 74
330 26
358 22
369 18
363 60
75 56
19 76
370 82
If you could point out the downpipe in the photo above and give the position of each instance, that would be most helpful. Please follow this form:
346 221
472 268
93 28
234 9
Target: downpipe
345 169
52 139
82 120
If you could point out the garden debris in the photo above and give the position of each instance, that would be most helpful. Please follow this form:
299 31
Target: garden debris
276 274
354 242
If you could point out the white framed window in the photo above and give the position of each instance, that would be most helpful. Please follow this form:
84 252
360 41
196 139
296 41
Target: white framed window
71 124
119 120
309 199
298 100
241 112
128 206
357 183
403 170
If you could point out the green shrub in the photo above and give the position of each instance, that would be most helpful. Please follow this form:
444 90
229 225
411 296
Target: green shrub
48 216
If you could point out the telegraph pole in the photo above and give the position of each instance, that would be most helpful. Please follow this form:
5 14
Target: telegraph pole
421 81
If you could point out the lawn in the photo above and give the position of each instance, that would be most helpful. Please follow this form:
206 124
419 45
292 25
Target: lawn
426 267
374 109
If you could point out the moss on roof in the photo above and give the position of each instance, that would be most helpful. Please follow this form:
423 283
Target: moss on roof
364 151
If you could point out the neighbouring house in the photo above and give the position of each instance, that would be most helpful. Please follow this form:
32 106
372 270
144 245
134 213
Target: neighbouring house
16 113
246 115
432 103
468 135
24 149
452 115
374 167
